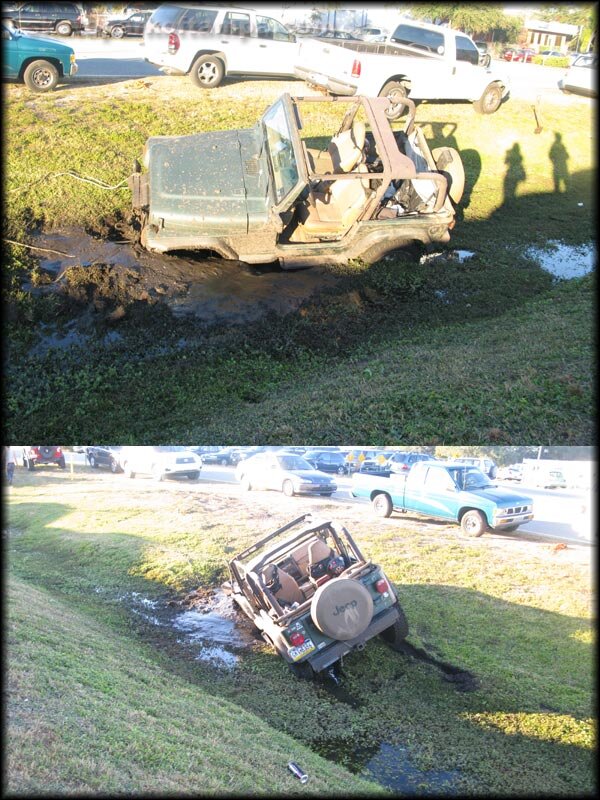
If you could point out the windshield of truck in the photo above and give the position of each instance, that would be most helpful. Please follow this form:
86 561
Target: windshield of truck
280 150
469 478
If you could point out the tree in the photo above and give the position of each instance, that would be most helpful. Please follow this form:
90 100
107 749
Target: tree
476 19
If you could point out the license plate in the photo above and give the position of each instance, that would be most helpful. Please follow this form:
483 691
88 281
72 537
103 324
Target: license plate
297 652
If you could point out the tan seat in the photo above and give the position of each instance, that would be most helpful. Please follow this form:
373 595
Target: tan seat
336 210
318 551
282 585
346 149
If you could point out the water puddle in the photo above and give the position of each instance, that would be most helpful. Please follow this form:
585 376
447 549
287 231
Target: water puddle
454 256
211 629
564 261
212 290
389 765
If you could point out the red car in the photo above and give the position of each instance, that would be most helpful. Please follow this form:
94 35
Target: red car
518 55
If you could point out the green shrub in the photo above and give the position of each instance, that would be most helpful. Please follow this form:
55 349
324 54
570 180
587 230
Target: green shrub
552 61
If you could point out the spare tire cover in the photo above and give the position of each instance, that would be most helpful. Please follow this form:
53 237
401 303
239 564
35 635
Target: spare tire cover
342 608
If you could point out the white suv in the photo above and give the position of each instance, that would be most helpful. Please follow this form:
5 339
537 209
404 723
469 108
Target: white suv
162 462
208 43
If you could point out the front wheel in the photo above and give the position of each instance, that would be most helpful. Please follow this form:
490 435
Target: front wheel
490 100
207 72
473 523
288 489
382 505
396 633
93 462
64 28
340 470
41 76
117 32
114 467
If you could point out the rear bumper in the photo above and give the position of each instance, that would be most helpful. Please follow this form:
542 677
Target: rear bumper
325 82
329 655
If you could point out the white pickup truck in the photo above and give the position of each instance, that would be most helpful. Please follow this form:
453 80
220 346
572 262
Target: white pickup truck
427 62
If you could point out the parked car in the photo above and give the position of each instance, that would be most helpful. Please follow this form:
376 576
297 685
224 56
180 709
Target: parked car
61 18
129 26
486 465
39 62
523 54
285 472
375 461
105 456
34 455
551 54
582 76
280 197
485 58
549 479
313 595
447 491
162 462
211 42
348 37
402 461
327 461
224 457
371 34
514 472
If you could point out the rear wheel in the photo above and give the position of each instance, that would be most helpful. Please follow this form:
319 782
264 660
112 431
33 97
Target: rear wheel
382 505
449 163
396 633
473 523
490 100
117 32
193 476
207 72
396 92
93 462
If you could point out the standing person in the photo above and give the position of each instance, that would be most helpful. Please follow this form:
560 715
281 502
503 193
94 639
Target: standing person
10 460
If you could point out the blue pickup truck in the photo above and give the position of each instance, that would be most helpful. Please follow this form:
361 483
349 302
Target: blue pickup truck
454 492
38 61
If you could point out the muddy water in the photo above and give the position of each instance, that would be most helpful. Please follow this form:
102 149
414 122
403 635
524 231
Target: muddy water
564 261
212 290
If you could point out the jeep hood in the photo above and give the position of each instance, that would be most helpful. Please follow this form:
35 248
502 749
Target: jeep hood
208 183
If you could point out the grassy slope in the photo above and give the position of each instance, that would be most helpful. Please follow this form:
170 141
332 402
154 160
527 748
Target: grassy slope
489 349
519 618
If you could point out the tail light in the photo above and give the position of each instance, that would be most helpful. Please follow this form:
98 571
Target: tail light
382 586
59 451
36 450
356 67
174 43
296 639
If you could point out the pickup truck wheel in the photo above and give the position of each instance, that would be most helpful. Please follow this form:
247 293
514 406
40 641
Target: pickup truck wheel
40 76
395 92
207 72
490 100
449 163
396 633
473 523
382 505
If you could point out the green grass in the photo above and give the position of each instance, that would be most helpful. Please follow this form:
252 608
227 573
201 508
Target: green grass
99 701
488 350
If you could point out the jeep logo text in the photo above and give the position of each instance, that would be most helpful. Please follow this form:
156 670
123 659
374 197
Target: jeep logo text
341 609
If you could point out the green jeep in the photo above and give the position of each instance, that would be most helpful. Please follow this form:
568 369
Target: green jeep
313 595
297 190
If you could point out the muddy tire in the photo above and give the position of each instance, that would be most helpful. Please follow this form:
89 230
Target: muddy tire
490 100
342 609
207 72
93 462
451 166
303 671
396 92
117 32
396 633
288 488
64 28
41 76
382 505
473 523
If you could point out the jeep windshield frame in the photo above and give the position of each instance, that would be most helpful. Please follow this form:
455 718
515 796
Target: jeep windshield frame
283 146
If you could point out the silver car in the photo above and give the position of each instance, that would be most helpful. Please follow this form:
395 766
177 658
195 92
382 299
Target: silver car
285 472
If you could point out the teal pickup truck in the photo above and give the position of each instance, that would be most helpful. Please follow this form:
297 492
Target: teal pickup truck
38 61
454 492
